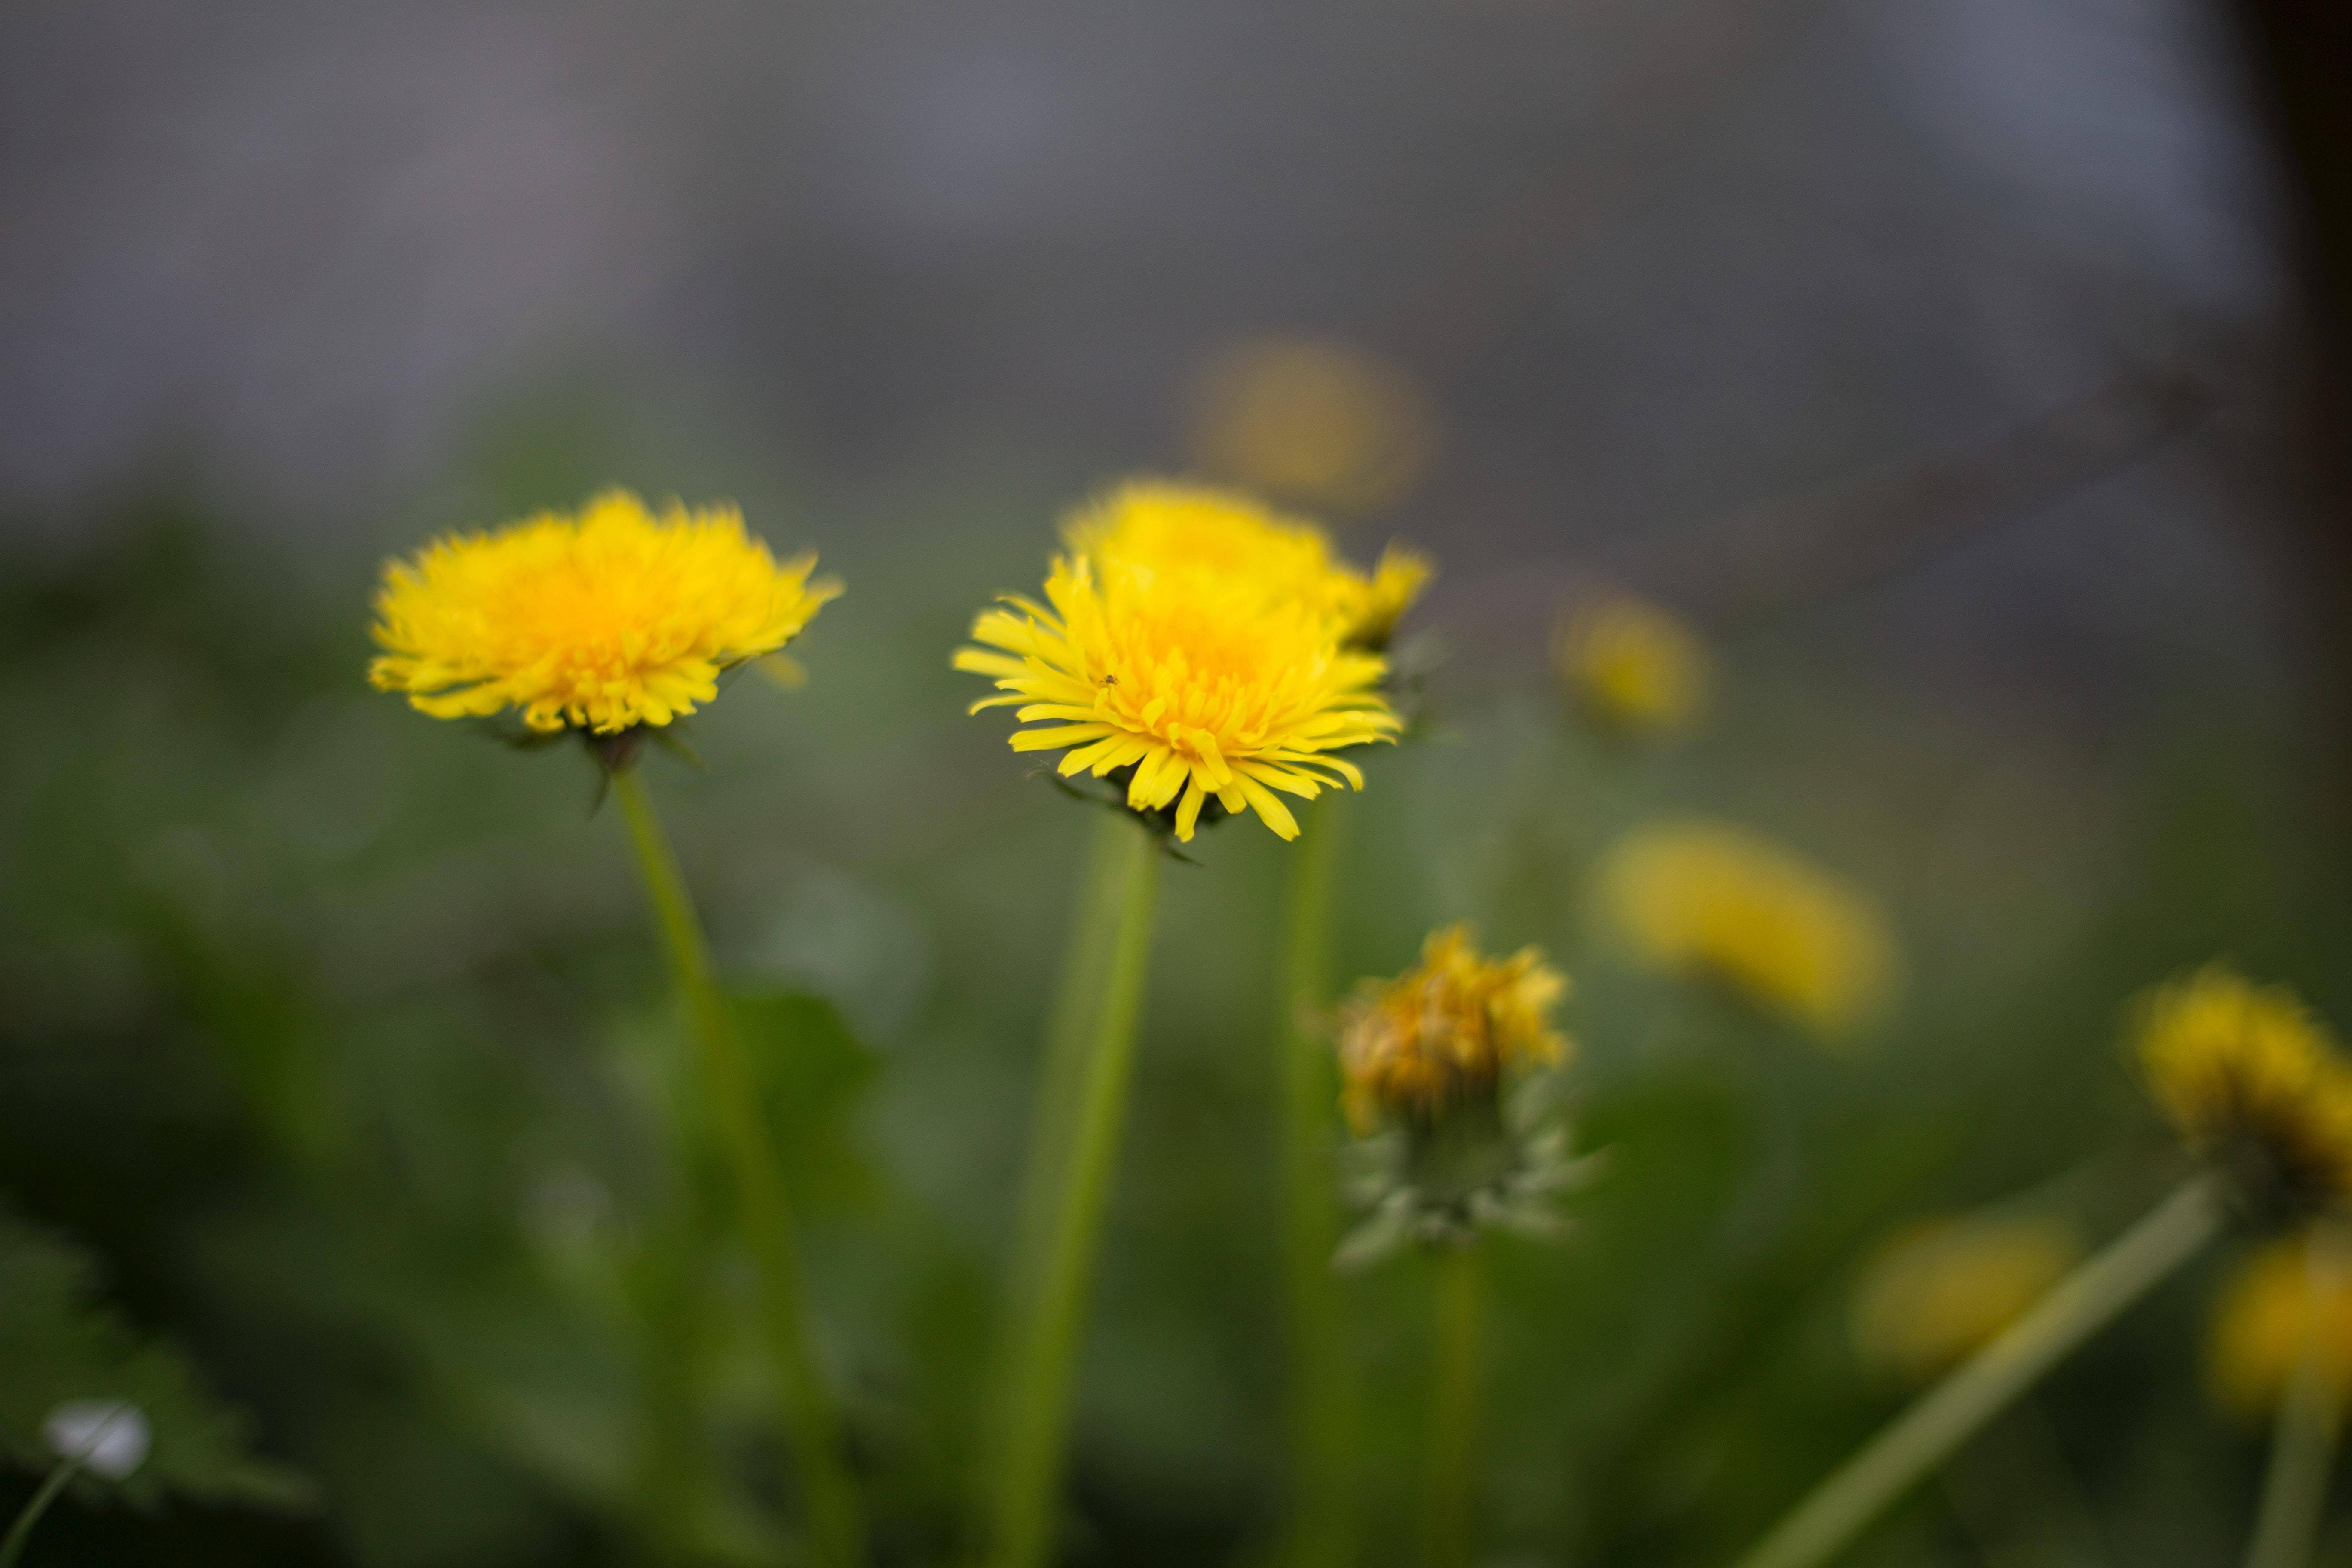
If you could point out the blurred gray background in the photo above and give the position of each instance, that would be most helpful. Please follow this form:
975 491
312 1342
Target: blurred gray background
1987 305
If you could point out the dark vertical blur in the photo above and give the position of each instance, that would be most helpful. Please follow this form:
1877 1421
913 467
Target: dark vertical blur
2301 51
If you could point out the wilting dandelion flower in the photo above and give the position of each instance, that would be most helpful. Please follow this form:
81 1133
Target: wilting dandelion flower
1631 664
1321 422
1427 1058
1242 546
1937 1293
1715 902
2254 1085
2273 1308
603 621
1196 689
1443 1032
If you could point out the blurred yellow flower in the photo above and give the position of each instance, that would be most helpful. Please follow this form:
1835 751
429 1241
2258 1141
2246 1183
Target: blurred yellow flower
2253 1083
1444 1031
1633 665
1200 530
2275 1298
1711 901
1319 421
603 621
1936 1293
1375 604
1200 684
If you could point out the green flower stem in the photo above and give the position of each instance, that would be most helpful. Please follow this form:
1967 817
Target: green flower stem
835 1525
1922 1436
2303 1450
21 1532
1455 1368
1320 1533
1077 1003
1053 1323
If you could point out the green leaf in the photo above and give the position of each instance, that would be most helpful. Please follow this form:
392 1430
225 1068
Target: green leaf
60 1341
812 1073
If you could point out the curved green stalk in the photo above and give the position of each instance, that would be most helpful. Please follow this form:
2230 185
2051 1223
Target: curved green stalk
1321 1519
1922 1436
21 1532
834 1523
1456 1367
1054 1321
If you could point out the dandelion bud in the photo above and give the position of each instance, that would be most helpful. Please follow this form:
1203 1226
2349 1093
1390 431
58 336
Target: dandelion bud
1438 1036
1427 1058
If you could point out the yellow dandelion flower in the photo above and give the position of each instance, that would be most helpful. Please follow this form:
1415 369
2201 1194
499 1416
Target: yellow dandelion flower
1443 1032
1938 1292
1711 901
1374 605
602 622
2273 1305
1321 422
1202 688
1633 665
1199 531
2253 1082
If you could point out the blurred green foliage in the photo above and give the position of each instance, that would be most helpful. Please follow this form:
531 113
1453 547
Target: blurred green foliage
337 1035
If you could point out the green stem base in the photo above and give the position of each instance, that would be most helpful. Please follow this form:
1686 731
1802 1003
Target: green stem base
1320 1426
1052 1311
1455 1364
835 1526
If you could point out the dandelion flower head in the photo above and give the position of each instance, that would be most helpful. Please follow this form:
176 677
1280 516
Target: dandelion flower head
600 621
2273 1306
1633 665
1714 902
2253 1082
1202 685
1445 1031
1937 1293
1197 530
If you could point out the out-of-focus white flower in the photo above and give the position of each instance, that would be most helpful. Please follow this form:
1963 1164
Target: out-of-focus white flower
108 1435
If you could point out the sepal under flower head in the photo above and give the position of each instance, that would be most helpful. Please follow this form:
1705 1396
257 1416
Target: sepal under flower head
1195 687
2254 1085
599 621
1497 1166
